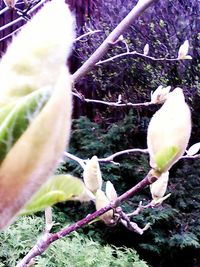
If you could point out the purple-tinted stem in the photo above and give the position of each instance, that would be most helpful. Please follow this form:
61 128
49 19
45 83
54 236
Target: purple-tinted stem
49 238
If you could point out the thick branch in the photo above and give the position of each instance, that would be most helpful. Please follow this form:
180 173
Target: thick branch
141 6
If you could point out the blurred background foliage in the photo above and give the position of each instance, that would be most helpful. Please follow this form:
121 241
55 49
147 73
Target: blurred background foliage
174 238
75 251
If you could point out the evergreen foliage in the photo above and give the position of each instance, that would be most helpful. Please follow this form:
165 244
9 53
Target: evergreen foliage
73 251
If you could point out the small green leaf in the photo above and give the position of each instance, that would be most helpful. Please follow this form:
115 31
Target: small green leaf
165 156
57 189
16 117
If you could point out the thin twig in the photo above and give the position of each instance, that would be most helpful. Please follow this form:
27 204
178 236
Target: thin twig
132 226
114 104
10 34
21 18
139 209
10 24
197 156
127 151
4 10
80 161
137 54
86 34
107 159
117 104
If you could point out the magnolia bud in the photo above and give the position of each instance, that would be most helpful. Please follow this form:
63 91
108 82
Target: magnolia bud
183 51
110 191
169 132
159 187
160 94
101 202
92 175
193 149
146 50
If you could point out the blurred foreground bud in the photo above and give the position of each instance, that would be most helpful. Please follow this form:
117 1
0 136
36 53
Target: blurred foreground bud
169 132
35 106
92 175
160 94
183 51
35 57
101 202
110 191
159 188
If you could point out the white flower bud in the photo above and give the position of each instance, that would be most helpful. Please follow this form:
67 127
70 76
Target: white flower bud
92 175
160 94
146 50
159 187
101 202
169 132
110 191
193 149
183 51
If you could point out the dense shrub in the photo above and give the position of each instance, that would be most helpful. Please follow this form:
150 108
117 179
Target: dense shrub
72 251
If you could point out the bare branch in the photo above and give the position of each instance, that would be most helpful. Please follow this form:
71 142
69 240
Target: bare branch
10 34
80 161
108 159
3 10
107 103
137 54
10 24
140 7
131 226
127 151
86 34
140 208
118 104
21 18
197 156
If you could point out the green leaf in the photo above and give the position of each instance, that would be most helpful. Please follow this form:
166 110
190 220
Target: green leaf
16 117
165 157
57 189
